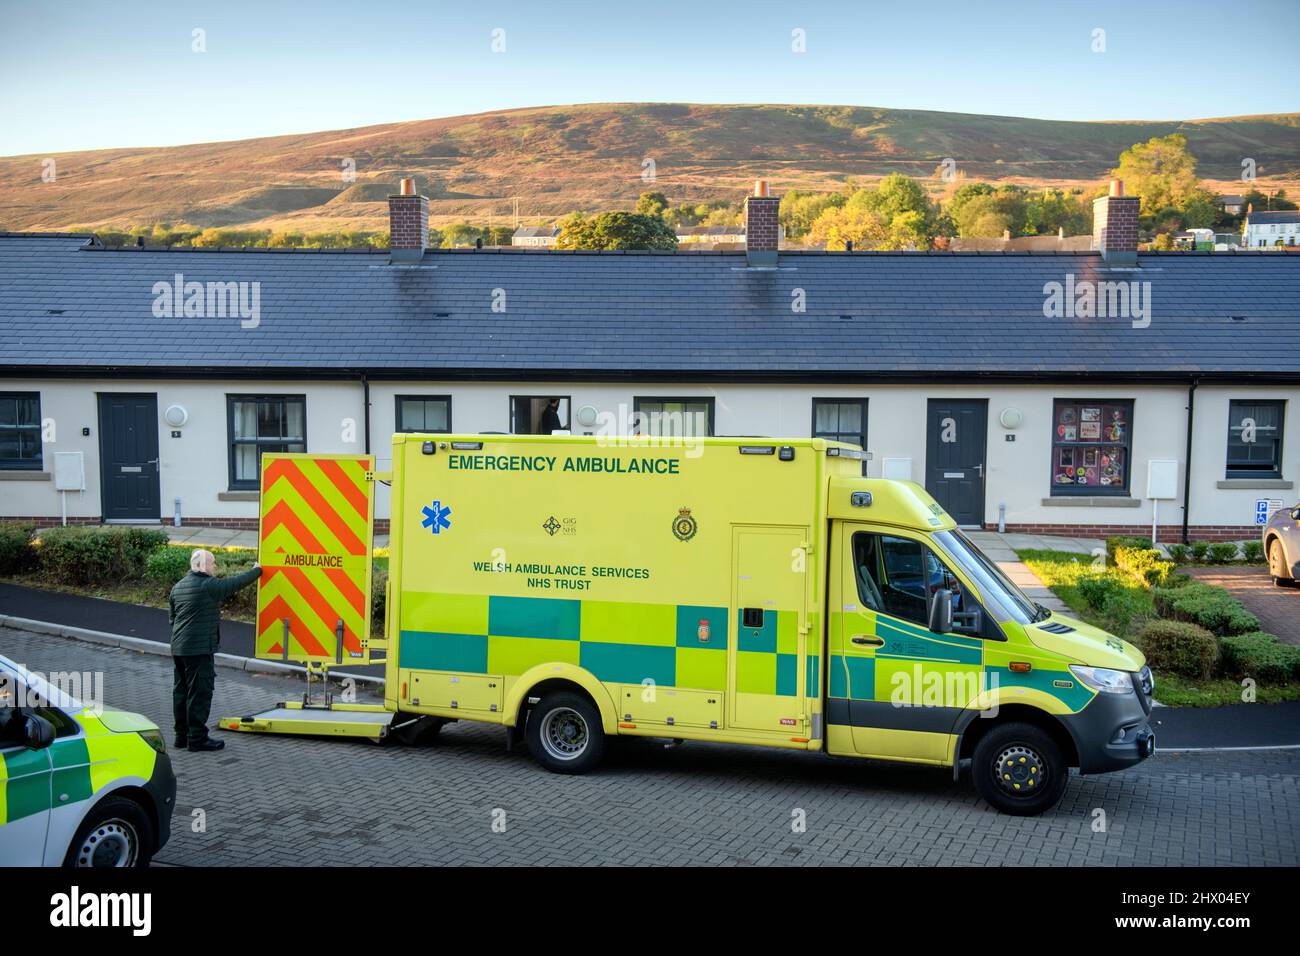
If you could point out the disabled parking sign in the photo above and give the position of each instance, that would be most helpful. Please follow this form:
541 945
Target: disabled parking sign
1265 507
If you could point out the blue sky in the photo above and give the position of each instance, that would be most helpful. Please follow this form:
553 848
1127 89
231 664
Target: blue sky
82 75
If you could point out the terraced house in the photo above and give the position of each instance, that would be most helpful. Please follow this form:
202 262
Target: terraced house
1075 392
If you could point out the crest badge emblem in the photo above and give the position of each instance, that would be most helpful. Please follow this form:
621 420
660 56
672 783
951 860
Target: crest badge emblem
684 526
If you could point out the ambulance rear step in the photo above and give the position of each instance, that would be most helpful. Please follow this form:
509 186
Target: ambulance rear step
371 721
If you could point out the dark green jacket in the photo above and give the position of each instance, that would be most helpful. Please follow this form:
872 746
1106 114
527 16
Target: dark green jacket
196 609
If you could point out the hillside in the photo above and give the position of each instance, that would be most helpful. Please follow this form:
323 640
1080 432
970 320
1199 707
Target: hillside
556 159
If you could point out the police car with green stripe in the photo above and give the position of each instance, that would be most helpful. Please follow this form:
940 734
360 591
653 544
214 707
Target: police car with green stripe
79 785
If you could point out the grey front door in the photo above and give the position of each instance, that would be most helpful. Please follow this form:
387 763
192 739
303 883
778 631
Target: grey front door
128 455
954 457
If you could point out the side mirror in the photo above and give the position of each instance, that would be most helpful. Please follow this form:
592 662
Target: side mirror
38 733
940 618
1295 513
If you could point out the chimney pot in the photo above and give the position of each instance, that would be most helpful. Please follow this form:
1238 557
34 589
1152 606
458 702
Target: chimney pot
760 188
1117 187
408 187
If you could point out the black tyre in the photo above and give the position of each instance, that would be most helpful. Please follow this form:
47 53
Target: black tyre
1019 769
1277 565
564 733
116 833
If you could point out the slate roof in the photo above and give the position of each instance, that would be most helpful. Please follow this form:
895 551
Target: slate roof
1275 215
917 316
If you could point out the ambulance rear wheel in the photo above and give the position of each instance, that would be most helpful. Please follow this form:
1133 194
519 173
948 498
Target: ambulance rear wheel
564 733
1019 769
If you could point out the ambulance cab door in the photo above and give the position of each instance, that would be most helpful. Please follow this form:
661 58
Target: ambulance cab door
903 686
25 781
767 646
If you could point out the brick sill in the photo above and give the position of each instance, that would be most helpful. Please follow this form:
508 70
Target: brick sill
1090 501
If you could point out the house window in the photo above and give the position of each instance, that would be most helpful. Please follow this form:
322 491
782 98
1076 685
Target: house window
673 417
1091 441
423 413
1254 439
841 419
260 423
20 430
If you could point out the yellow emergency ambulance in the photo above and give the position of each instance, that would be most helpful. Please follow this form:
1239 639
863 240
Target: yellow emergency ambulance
749 591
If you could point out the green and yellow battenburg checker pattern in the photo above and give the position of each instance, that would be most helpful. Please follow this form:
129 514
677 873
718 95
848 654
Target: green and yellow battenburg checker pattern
81 767
682 646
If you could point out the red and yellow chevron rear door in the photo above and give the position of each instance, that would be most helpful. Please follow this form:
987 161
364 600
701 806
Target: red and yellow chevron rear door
314 544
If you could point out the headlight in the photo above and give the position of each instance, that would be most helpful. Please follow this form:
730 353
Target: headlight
1103 679
154 739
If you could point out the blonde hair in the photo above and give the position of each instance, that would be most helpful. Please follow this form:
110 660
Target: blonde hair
200 558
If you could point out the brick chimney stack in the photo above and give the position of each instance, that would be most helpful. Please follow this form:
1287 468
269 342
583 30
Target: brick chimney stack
762 231
1115 225
408 224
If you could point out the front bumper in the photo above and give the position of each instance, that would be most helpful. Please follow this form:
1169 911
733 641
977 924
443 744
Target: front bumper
161 788
1113 732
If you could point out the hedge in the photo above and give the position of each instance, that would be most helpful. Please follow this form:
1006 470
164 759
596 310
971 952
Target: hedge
88 555
1222 552
1114 543
16 552
1211 607
1145 565
167 566
1179 647
1261 656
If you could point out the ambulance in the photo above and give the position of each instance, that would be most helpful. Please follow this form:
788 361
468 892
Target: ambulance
733 590
80 785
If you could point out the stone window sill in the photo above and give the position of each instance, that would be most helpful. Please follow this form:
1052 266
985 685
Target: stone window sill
21 474
1279 483
1090 501
238 496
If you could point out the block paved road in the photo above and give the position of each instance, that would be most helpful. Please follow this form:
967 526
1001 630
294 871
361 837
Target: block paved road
1278 609
290 802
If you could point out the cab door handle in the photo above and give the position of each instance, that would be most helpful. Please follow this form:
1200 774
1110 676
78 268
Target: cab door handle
864 639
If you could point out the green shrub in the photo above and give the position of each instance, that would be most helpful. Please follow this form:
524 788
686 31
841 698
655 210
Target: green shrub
1253 550
1180 553
1124 609
16 551
1144 565
167 566
1211 607
1116 542
1179 647
1222 552
236 561
1200 549
89 555
1261 656
1095 588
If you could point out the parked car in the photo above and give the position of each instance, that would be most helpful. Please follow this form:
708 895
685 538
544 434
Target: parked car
1282 545
79 785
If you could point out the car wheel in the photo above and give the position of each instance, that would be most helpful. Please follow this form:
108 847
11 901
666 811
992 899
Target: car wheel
116 833
564 733
1277 564
1019 769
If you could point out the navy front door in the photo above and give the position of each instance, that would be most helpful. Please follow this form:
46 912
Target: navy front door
954 457
128 454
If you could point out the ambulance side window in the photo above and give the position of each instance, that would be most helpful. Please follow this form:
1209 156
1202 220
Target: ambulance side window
892 575
11 723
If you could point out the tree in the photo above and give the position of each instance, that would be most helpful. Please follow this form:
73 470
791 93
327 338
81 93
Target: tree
800 210
839 225
652 204
615 230
1161 171
460 234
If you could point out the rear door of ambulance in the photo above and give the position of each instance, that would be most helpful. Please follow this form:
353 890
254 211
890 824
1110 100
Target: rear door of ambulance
315 543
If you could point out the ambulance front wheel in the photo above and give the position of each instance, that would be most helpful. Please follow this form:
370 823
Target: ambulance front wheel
1019 769
564 733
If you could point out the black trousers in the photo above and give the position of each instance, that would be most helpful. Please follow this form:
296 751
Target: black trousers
193 678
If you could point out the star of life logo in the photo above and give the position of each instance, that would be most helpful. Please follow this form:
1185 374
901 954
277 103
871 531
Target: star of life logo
436 517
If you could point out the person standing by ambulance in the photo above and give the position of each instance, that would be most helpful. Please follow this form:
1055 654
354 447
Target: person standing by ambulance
195 618
551 418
